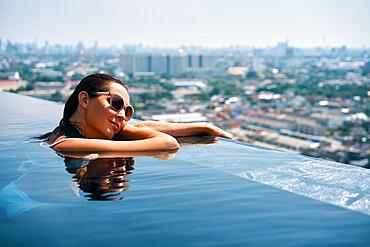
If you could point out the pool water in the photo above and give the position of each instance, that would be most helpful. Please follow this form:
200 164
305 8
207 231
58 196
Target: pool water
223 194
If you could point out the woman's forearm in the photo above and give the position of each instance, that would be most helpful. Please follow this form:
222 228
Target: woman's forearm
175 129
101 145
184 129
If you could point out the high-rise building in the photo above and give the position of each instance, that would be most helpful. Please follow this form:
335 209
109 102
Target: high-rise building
366 69
177 64
159 64
170 64
207 62
142 63
201 63
132 63
195 62
127 63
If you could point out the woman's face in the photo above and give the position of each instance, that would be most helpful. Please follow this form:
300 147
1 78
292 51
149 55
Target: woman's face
101 120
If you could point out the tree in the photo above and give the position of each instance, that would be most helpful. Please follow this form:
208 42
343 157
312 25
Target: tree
57 96
77 77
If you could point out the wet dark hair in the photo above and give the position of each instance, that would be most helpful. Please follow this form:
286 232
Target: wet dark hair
90 84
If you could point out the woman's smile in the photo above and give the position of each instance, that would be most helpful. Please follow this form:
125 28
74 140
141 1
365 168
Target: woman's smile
116 126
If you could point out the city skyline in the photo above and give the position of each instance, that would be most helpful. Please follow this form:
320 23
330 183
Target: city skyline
200 23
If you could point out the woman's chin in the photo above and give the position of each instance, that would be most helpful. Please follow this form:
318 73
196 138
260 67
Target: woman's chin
109 133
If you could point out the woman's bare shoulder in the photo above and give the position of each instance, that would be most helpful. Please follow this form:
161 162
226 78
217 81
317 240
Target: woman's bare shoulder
55 140
55 136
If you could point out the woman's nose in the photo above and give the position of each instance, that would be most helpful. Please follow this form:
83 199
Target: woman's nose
121 115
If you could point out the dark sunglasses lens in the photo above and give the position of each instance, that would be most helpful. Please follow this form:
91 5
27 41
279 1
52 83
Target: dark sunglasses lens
129 111
117 102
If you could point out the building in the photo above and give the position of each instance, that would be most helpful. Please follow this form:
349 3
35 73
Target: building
127 63
131 63
159 64
278 122
287 142
177 65
167 64
6 85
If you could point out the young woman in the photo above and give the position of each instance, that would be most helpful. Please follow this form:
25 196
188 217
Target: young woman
95 119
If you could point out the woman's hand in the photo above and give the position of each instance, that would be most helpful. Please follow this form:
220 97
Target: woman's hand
216 131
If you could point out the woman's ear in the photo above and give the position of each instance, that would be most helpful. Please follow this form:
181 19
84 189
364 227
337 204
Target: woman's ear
83 99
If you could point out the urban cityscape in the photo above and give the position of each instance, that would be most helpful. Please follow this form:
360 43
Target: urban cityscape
312 101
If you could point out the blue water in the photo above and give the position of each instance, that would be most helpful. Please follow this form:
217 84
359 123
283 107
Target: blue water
223 194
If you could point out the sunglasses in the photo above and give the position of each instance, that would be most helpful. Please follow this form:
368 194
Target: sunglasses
117 103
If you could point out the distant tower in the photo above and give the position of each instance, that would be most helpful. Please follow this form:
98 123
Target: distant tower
46 47
366 69
142 62
281 49
200 61
190 61
159 64
168 64
80 47
177 64
127 63
10 48
96 45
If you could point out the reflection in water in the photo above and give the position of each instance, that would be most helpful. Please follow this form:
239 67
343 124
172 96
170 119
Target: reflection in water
106 178
101 179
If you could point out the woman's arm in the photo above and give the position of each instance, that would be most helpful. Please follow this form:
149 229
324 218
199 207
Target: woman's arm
138 139
163 155
184 129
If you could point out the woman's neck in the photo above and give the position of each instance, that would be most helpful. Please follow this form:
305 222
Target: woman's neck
79 122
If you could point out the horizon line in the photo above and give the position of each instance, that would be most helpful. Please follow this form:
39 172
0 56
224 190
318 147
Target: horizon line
188 45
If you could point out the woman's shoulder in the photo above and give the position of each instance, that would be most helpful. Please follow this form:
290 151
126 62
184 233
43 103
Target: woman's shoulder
56 134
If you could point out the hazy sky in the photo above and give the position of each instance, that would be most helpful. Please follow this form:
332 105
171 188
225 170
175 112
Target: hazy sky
188 22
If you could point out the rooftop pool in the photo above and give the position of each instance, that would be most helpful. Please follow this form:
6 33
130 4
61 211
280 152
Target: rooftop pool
223 194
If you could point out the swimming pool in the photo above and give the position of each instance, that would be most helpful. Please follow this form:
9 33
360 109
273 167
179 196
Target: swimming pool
223 194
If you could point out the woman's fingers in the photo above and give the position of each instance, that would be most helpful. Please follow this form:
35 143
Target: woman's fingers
216 131
226 134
